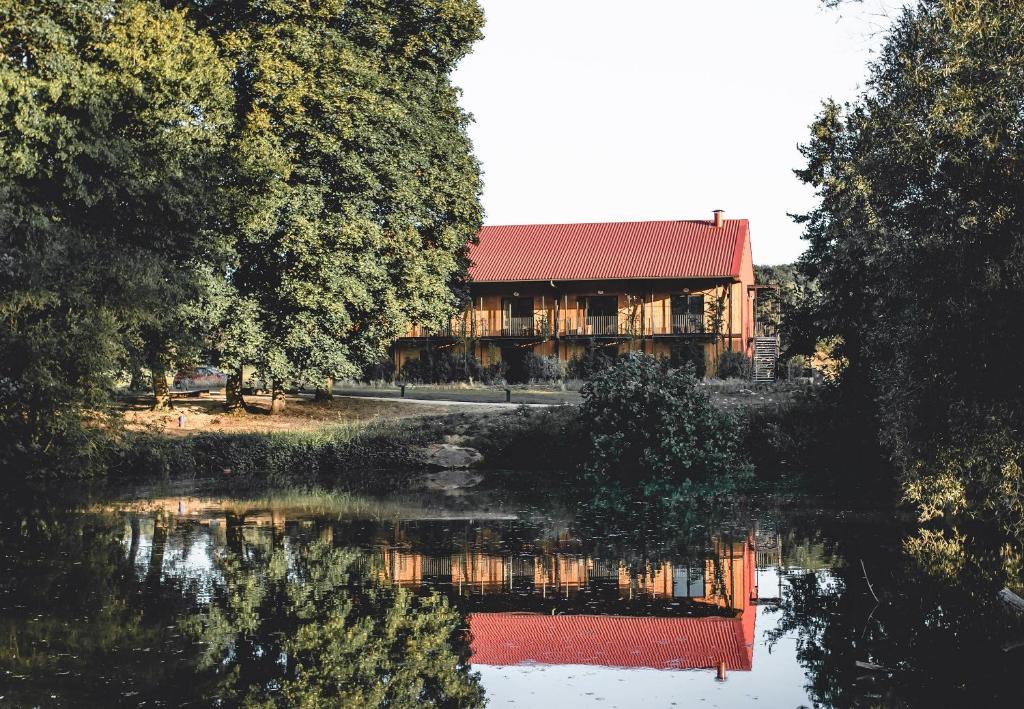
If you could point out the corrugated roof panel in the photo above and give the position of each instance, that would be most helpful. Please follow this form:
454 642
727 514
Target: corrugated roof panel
565 252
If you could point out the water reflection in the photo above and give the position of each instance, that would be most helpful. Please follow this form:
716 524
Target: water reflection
186 601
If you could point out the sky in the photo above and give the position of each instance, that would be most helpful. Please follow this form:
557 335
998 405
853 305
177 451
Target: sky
603 110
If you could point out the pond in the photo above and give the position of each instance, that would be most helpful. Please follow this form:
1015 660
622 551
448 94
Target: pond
186 599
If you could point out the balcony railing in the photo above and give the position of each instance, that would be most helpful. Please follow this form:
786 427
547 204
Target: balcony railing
576 324
688 324
524 326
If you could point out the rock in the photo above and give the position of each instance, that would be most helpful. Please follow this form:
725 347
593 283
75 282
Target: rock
447 455
451 482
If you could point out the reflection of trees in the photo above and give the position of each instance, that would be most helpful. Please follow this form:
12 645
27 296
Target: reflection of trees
76 627
939 637
314 627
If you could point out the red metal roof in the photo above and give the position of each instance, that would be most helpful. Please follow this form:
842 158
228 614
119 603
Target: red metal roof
613 641
568 252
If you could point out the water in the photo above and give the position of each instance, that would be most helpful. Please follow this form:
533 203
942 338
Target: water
178 600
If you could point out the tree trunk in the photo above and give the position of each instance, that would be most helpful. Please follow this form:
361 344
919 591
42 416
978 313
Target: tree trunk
161 393
233 400
326 392
138 382
276 397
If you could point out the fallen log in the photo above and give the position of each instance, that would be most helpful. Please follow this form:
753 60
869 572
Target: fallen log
1012 600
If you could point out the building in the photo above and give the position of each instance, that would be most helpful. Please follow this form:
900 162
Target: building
675 289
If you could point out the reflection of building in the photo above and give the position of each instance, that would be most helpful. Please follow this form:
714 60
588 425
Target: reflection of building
611 640
726 580
544 604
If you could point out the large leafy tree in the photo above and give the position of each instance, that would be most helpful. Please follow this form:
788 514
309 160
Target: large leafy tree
113 117
357 191
917 245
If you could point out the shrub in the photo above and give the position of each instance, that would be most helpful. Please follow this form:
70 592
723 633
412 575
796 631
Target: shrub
371 458
689 353
734 365
445 367
543 369
532 439
593 361
652 432
383 370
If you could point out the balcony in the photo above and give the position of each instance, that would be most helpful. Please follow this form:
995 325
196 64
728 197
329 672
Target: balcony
688 324
569 325
525 326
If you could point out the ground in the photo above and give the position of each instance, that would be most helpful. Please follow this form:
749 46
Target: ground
355 403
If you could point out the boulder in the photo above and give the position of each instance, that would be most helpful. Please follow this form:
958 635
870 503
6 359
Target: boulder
447 455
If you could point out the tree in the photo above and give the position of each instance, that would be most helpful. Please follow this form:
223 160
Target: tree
917 245
357 193
113 115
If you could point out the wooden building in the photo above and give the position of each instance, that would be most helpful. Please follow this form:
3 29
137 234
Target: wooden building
661 287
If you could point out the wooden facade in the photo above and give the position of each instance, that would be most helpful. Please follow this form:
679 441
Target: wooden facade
636 313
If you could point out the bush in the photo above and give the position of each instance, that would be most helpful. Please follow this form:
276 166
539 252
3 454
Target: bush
543 369
532 439
823 439
734 365
977 475
689 353
445 367
593 361
383 370
652 432
376 458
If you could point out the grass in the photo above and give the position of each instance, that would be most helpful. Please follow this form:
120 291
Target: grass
289 504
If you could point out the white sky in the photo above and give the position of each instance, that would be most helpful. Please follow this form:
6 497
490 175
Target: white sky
603 110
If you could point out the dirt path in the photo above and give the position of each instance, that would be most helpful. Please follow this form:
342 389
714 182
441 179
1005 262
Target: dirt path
301 413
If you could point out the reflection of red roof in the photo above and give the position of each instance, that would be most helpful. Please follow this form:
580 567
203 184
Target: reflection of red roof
565 252
614 641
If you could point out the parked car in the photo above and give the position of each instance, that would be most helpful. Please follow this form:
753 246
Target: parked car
204 377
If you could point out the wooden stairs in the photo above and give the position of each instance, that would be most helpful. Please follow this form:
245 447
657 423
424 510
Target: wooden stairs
766 358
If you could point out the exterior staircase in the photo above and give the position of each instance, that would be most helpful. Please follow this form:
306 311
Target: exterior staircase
766 358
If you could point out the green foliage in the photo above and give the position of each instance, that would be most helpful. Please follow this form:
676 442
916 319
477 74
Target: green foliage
593 361
651 432
734 365
369 458
532 439
691 354
319 629
822 440
543 369
356 192
917 246
445 366
113 119
979 474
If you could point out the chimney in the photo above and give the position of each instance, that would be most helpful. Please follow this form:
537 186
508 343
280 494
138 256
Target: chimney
719 217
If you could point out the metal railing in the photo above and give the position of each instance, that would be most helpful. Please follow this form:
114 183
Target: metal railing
688 324
523 326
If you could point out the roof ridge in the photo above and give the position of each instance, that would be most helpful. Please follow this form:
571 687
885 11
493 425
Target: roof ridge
707 222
